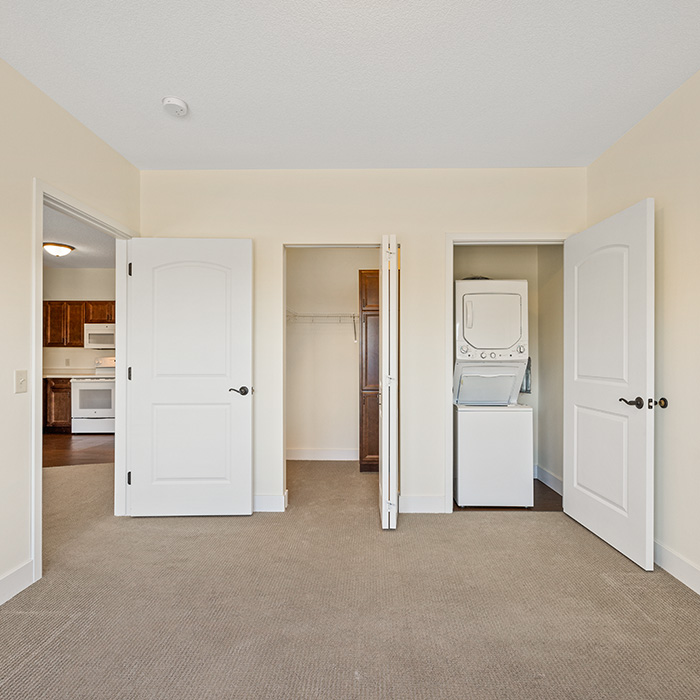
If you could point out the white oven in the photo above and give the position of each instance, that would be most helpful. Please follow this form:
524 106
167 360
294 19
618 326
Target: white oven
99 336
92 404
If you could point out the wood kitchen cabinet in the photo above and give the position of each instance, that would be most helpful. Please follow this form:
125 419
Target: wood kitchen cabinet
369 370
99 312
57 405
63 324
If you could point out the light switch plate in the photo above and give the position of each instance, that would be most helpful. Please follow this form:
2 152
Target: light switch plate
20 381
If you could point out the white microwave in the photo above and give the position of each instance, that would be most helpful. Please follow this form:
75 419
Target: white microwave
99 336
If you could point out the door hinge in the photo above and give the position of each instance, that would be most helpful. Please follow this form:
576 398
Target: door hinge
128 373
130 270
391 507
128 478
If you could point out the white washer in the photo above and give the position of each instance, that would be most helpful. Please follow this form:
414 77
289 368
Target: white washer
493 456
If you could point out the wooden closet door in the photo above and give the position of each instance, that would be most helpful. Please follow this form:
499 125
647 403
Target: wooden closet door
369 370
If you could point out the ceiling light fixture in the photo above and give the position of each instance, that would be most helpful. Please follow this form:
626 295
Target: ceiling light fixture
175 106
58 249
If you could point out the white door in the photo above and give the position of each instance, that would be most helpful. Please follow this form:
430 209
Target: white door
389 384
609 356
189 344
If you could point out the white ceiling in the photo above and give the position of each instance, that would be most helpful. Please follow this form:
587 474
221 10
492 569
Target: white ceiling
356 84
93 248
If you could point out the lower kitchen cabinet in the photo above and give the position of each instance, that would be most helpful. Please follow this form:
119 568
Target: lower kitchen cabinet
57 405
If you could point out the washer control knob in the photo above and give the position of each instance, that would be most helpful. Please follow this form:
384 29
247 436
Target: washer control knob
493 354
464 349
483 354
521 349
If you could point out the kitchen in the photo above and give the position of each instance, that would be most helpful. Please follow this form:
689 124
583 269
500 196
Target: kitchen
78 342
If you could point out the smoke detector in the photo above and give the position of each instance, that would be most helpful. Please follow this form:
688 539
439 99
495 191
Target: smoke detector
175 106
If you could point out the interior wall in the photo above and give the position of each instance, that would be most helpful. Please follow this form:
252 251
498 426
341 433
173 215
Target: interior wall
38 139
550 300
322 355
509 262
275 208
660 158
76 284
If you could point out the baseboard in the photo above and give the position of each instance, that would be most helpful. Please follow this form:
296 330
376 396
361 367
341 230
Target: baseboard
421 504
678 566
335 455
269 503
548 479
16 581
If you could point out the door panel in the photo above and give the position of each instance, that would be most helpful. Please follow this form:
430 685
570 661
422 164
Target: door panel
389 385
189 343
609 355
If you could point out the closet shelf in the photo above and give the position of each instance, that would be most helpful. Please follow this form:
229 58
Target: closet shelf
298 317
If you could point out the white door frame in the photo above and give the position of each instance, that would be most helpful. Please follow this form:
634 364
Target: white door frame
65 203
452 240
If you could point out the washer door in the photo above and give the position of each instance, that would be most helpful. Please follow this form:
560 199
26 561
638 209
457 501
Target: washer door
487 385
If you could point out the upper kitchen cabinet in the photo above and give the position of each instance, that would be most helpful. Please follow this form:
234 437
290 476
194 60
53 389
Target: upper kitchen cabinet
64 323
99 312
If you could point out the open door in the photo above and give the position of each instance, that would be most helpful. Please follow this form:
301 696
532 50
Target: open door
609 380
189 399
389 384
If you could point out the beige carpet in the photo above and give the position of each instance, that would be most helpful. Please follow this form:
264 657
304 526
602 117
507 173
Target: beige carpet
320 603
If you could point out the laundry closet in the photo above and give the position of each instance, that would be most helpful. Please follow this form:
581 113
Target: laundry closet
536 272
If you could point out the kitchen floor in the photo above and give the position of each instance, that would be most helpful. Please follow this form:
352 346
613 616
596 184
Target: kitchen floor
63 450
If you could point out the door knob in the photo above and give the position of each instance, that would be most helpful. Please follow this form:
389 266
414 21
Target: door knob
638 402
662 403
242 391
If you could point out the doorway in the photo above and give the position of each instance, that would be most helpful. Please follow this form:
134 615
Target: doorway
541 266
323 342
87 281
512 257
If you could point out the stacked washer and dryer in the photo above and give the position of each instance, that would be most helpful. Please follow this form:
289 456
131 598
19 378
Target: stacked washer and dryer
493 432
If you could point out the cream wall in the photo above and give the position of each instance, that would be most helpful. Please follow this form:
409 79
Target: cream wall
550 312
322 397
79 284
275 208
83 283
660 158
38 139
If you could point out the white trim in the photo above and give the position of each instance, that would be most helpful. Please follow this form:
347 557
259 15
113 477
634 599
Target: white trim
320 454
548 479
16 581
422 504
269 503
476 238
60 201
678 566
121 273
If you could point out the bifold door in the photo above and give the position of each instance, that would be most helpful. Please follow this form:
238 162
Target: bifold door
189 395
609 380
389 384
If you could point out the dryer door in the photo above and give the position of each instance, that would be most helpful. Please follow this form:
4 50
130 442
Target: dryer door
492 321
